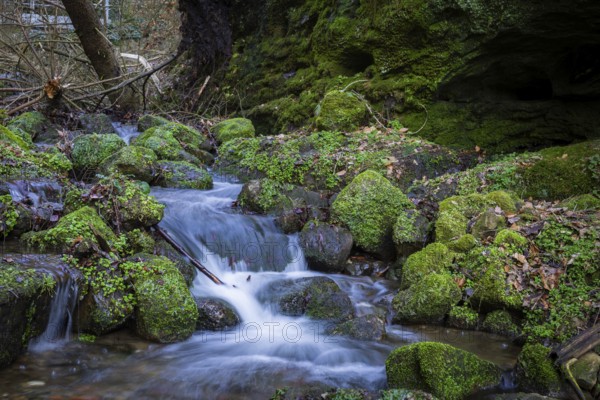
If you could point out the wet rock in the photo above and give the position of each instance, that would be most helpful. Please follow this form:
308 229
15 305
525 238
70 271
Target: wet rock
182 175
365 266
96 123
500 322
24 298
232 129
291 220
411 231
99 314
163 248
148 121
366 327
585 370
134 161
463 317
315 297
445 371
215 315
326 247
167 141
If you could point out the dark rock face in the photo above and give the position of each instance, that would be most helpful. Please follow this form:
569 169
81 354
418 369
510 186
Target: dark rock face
315 297
96 123
326 247
366 327
214 315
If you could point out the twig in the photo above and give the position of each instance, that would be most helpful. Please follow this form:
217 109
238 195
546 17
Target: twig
25 105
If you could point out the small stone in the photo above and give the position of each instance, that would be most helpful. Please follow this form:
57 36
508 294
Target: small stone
585 370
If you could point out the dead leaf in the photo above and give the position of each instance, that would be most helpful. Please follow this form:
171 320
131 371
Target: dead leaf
341 173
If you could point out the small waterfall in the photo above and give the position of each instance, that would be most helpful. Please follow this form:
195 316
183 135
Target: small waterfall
60 321
38 193
125 131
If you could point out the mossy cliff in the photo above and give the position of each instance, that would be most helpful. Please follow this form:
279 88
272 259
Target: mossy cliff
447 62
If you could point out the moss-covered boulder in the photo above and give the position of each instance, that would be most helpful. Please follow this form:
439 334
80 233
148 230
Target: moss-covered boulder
166 311
411 231
126 205
500 322
8 215
586 370
369 206
315 297
24 298
264 196
80 231
427 301
182 175
148 121
463 317
450 226
463 244
582 202
233 128
366 327
215 315
508 237
435 258
488 223
36 126
96 123
162 140
22 141
134 161
440 369
163 248
341 111
535 370
89 151
326 247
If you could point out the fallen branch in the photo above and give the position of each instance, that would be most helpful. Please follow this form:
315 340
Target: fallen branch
579 345
182 251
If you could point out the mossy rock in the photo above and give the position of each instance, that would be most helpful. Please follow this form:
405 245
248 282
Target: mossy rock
162 141
166 311
128 207
535 370
6 135
89 151
215 315
35 125
463 244
182 175
427 301
264 196
506 201
369 206
500 322
563 172
440 369
582 202
508 237
487 224
8 215
367 327
20 164
96 123
316 297
435 258
450 226
134 161
463 317
586 370
25 295
326 247
233 128
405 394
411 231
469 206
81 231
148 121
138 241
341 111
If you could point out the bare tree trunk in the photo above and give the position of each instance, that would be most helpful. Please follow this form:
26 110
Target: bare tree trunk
98 49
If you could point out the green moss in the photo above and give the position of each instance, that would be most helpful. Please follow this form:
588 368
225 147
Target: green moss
510 237
264 196
463 244
32 123
500 322
582 202
440 369
405 394
233 128
137 241
535 370
148 121
435 258
8 215
135 161
502 199
183 175
161 140
340 110
405 230
469 205
166 311
15 281
450 226
89 151
8 136
563 172
463 317
428 300
369 207
81 228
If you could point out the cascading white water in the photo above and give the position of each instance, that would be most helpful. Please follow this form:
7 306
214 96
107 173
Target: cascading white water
125 131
